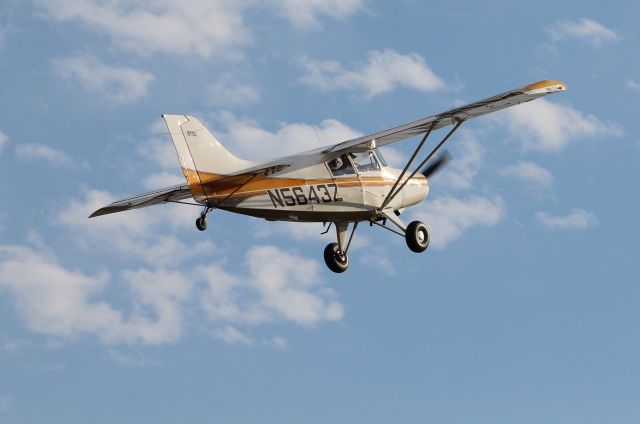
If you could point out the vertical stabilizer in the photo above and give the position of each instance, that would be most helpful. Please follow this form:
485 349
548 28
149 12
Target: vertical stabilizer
198 150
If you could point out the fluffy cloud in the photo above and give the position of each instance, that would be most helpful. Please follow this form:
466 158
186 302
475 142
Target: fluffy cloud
131 235
158 26
583 29
449 217
529 173
546 126
249 140
577 219
279 286
56 301
383 72
228 92
192 27
37 151
271 286
118 84
231 335
3 140
305 13
468 156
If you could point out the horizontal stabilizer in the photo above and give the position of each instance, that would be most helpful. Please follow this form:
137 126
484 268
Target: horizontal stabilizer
169 194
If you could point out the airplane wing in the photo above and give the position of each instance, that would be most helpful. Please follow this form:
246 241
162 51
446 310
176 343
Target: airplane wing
169 194
472 110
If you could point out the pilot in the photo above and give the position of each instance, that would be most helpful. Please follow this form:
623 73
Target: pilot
335 164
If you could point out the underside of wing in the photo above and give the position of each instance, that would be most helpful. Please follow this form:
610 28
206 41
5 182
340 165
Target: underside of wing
450 117
169 194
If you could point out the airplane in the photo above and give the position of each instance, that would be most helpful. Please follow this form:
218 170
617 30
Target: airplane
342 184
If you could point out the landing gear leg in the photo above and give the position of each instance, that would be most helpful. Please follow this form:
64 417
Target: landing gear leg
335 254
201 222
416 234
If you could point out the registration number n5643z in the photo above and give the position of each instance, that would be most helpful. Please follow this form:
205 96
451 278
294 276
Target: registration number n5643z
292 196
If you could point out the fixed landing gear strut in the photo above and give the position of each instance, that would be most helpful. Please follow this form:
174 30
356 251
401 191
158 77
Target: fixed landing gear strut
201 222
335 254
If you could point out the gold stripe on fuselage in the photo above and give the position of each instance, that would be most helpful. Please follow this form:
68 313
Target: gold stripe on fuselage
236 188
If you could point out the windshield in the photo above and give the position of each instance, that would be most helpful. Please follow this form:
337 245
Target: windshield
366 161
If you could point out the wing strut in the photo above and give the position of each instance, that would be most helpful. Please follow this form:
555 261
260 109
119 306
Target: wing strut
404 171
393 193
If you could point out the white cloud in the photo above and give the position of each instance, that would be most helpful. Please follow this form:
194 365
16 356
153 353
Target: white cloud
37 151
449 217
118 84
200 28
133 235
278 286
468 157
231 335
163 179
383 72
159 293
546 126
305 13
275 285
530 173
193 27
5 402
57 301
277 343
249 140
583 29
228 92
3 141
578 219
634 86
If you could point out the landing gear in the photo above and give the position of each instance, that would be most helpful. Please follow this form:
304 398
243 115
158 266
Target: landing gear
201 222
335 254
417 236
336 260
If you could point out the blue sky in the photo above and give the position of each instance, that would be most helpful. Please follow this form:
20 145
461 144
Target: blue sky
524 309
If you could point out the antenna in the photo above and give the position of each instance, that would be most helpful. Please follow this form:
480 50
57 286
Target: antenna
317 135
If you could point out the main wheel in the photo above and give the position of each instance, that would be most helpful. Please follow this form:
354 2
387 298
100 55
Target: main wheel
417 236
335 260
201 223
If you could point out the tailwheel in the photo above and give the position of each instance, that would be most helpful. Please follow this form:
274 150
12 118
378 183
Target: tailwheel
417 236
201 223
336 260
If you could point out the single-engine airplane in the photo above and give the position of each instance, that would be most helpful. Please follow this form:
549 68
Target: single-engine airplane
345 183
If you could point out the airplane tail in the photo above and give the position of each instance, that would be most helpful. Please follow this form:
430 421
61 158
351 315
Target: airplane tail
201 156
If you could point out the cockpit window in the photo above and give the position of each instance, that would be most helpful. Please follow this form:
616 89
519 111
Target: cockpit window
381 158
366 162
340 166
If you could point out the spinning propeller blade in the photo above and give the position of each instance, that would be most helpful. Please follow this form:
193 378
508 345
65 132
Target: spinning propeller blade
434 167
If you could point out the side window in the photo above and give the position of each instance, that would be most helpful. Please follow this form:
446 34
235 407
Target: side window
366 162
340 166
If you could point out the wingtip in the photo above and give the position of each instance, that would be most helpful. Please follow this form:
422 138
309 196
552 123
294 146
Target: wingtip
544 86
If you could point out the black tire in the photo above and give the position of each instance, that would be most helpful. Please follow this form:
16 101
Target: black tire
335 261
417 236
201 223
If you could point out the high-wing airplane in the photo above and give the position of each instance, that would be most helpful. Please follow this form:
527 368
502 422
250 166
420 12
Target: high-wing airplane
343 184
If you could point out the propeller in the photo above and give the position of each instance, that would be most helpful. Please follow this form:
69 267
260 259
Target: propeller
435 166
